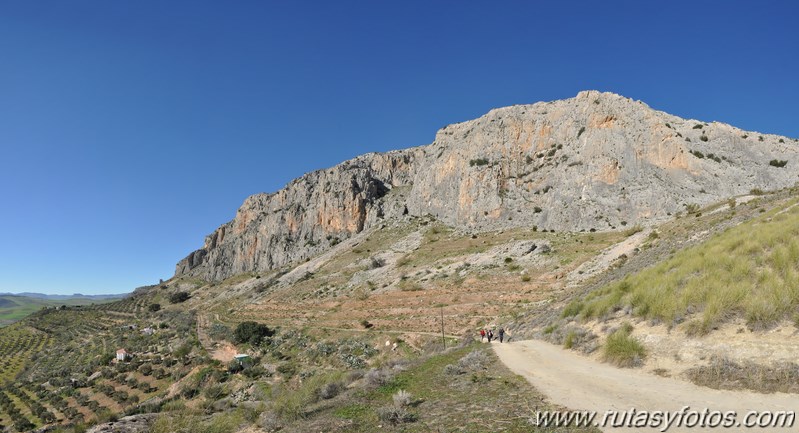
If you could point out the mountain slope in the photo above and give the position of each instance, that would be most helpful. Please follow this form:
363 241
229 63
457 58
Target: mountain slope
598 161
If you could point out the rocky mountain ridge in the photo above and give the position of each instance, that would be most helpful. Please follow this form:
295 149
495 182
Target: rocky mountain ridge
598 161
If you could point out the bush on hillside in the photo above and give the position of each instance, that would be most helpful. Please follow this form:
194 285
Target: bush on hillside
179 297
251 332
622 349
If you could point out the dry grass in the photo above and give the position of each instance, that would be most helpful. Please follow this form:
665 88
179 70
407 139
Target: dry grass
723 373
622 349
750 270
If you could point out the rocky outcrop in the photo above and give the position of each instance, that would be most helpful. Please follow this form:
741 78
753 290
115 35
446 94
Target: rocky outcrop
308 216
598 161
129 424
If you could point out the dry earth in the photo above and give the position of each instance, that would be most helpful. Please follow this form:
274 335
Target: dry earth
581 383
672 352
222 351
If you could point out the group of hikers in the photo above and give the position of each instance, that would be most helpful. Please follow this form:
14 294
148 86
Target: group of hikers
489 333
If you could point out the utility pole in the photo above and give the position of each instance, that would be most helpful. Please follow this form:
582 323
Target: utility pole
443 339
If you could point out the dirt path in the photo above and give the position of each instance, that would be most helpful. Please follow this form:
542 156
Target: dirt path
223 351
579 383
606 258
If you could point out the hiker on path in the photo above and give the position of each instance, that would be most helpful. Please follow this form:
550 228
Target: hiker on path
501 334
482 335
490 335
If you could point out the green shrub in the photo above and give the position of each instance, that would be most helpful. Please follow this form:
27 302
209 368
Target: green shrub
568 342
622 349
182 351
331 390
573 308
22 424
219 331
478 162
251 332
777 163
179 297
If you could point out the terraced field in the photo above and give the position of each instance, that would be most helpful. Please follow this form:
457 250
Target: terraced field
17 345
57 366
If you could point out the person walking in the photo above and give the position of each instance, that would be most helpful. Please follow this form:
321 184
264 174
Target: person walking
482 334
490 335
501 334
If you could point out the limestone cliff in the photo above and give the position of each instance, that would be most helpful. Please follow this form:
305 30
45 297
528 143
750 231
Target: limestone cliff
597 161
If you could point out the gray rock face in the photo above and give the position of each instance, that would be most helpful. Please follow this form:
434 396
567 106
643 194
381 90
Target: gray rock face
306 217
597 161
128 424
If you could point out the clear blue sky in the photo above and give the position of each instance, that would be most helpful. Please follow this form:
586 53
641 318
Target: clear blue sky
131 129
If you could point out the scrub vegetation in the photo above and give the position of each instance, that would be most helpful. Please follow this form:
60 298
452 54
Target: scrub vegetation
751 270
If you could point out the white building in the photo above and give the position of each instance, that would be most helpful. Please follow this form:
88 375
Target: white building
122 355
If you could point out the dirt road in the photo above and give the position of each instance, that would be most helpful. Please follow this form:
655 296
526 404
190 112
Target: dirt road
579 383
223 351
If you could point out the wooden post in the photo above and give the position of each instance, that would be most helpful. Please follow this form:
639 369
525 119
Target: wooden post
443 339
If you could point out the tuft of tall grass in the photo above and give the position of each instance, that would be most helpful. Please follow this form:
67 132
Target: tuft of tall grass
572 309
622 349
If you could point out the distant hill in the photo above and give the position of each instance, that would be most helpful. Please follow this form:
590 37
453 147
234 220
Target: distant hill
14 307
7 303
63 297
